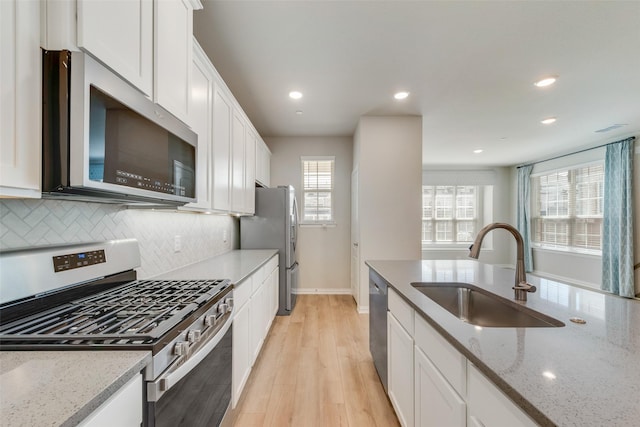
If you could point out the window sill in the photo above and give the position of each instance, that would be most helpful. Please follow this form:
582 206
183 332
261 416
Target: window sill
574 252
329 224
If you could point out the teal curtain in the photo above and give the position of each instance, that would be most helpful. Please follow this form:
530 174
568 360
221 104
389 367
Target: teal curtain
524 213
617 230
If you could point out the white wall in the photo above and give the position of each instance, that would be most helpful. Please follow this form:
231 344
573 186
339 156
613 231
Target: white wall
33 223
502 246
323 252
388 155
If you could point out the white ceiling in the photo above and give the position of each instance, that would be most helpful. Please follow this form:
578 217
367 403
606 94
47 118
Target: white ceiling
469 66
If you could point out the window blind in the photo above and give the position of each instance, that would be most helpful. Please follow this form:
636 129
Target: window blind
318 185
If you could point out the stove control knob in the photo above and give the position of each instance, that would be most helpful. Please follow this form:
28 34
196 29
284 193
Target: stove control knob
229 301
210 320
180 348
223 308
193 335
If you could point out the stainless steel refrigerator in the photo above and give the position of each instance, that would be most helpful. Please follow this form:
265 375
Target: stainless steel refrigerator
275 226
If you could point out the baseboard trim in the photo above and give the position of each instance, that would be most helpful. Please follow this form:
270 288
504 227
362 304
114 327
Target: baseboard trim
363 310
339 291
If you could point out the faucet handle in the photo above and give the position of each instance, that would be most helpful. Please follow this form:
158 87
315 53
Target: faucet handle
524 286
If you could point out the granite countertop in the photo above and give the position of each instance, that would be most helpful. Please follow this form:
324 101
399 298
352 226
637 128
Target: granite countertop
234 265
576 375
33 382
61 388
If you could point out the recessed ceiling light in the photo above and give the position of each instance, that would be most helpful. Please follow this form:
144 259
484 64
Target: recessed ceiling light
478 151
295 94
548 121
549 374
401 95
299 112
547 81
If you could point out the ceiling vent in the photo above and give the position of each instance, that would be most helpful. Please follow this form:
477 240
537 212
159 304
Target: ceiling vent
612 127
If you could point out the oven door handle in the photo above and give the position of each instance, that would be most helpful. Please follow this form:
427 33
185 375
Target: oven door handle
157 388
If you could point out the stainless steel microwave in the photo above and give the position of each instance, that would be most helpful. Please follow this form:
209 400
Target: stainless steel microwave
105 141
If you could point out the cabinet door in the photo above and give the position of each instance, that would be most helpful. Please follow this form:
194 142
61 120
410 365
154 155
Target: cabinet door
400 370
240 352
120 34
221 174
436 403
250 171
123 408
276 289
488 406
263 162
237 163
200 119
257 322
20 105
173 32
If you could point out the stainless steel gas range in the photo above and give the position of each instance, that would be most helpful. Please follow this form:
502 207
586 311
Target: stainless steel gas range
86 297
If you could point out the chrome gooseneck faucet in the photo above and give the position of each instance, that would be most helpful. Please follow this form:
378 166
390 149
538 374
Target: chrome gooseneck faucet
521 286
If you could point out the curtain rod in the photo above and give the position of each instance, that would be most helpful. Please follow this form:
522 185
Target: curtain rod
575 152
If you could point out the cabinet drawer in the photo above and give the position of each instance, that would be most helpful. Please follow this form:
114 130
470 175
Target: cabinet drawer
401 310
258 278
272 264
242 292
449 361
489 406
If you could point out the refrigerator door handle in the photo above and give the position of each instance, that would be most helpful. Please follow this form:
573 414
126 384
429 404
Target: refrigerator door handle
294 225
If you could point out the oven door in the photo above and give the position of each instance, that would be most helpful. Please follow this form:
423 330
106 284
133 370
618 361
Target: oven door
198 392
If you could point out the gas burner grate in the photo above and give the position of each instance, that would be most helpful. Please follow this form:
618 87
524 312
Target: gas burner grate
138 312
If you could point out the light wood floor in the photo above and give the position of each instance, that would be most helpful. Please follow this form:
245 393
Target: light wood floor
315 369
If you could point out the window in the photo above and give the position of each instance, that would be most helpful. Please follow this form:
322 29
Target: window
450 214
567 208
317 187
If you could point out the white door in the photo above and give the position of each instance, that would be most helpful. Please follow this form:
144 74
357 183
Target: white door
355 237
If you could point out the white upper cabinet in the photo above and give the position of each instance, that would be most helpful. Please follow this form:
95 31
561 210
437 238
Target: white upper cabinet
20 105
120 34
263 163
200 120
238 131
250 171
173 34
221 161
146 42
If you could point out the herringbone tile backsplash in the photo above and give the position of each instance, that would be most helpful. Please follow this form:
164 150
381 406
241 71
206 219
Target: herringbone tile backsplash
32 223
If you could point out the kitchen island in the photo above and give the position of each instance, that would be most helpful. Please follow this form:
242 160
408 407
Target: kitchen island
579 374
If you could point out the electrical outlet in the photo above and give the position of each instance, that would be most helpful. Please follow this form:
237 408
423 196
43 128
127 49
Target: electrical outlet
177 243
224 236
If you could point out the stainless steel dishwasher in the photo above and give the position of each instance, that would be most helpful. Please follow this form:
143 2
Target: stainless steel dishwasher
378 305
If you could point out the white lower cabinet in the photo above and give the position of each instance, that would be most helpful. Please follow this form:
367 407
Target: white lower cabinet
400 371
432 384
488 406
251 321
436 403
400 358
241 360
123 408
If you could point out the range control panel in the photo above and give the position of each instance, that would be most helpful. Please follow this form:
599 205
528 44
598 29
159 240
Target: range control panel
78 260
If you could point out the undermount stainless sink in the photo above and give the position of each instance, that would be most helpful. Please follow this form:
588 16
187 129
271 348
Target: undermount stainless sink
482 308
